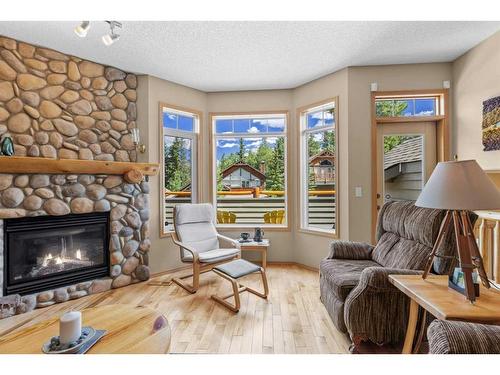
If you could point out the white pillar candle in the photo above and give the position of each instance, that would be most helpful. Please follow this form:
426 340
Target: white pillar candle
70 327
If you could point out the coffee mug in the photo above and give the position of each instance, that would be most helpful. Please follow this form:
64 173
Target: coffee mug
245 236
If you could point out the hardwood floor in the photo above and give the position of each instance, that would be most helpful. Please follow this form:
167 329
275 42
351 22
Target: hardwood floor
292 320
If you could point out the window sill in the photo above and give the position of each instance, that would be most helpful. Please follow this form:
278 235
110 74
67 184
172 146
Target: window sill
274 228
319 232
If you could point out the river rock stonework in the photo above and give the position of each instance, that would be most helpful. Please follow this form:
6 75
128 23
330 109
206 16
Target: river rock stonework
42 194
58 106
54 105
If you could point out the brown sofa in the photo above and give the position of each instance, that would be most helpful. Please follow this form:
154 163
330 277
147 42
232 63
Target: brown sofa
354 283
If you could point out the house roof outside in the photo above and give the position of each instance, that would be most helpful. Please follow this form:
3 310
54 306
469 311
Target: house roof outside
226 172
406 152
324 155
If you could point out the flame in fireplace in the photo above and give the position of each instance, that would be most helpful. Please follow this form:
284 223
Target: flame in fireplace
78 254
46 259
59 260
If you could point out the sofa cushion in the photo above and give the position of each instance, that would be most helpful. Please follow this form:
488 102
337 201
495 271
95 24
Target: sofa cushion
393 251
406 234
343 275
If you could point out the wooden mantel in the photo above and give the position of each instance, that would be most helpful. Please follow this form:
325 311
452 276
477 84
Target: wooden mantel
21 164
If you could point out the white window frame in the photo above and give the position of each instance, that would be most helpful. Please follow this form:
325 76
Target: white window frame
304 164
213 152
193 137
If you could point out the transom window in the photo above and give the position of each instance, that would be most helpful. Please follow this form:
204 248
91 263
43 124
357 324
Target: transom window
179 141
407 107
319 167
250 169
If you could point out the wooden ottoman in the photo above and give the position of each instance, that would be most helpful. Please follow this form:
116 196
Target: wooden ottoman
234 270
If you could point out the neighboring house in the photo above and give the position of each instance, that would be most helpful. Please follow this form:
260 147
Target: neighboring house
322 171
241 176
403 170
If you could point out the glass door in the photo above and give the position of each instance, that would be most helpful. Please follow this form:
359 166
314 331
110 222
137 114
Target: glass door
406 157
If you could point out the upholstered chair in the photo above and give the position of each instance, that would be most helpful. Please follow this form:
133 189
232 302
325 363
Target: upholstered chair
450 337
354 283
199 243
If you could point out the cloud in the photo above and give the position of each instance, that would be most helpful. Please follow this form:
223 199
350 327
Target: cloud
272 141
253 130
171 116
224 144
424 113
318 137
254 144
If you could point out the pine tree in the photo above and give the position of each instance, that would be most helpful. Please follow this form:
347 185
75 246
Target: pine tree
276 170
177 165
241 151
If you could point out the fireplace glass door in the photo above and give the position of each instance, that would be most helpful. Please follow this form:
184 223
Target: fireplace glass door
46 252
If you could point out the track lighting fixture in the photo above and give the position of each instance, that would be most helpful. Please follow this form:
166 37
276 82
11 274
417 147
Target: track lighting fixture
108 39
82 29
112 37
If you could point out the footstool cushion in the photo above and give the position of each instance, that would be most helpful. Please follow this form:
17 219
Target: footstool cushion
234 270
238 268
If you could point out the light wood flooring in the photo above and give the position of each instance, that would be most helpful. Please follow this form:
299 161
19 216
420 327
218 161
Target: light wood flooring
292 320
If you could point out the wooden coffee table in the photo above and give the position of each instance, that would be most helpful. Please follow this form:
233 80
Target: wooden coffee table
130 330
434 296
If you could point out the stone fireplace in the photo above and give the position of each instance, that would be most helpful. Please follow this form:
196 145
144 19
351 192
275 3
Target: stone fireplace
56 106
72 199
44 252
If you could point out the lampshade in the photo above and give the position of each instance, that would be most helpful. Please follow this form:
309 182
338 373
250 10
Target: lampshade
459 185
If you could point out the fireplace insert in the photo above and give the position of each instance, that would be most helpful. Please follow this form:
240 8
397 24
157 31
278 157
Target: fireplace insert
47 252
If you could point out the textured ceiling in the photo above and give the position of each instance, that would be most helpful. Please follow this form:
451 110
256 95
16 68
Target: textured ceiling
225 56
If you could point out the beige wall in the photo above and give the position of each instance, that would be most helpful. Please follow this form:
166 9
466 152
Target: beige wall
392 77
351 86
282 245
311 248
476 77
151 91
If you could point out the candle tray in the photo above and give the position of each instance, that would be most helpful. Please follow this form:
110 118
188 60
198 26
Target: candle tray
54 347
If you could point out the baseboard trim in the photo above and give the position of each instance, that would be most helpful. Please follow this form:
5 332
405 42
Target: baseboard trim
309 268
277 263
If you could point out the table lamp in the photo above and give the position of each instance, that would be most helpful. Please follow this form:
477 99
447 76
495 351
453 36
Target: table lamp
459 187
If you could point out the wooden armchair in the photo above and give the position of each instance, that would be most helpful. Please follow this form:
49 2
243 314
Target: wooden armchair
199 242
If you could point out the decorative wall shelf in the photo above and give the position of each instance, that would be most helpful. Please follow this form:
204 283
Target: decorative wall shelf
132 171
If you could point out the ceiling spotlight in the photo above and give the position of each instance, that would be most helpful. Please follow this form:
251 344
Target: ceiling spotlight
82 29
112 37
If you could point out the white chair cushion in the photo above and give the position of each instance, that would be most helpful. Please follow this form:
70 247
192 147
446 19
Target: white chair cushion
200 236
194 213
214 256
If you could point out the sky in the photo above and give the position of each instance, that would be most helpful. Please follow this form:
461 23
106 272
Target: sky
248 127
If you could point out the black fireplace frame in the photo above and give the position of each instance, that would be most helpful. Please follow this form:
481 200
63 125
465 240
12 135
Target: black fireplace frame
60 279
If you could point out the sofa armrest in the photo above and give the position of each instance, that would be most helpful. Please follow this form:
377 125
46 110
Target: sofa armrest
375 309
450 337
350 250
378 277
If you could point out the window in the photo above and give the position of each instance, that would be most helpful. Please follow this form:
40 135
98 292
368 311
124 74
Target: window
407 107
179 138
319 167
250 181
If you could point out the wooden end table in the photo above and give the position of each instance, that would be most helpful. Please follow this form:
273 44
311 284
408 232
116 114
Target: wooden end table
257 246
435 297
130 330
